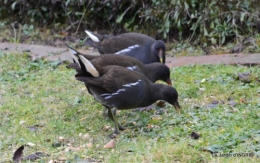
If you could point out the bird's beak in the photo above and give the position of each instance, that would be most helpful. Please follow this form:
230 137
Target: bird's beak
169 82
161 56
177 107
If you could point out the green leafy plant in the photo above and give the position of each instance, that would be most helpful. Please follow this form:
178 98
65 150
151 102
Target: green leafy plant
203 22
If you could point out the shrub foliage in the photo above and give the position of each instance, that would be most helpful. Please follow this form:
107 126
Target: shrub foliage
210 21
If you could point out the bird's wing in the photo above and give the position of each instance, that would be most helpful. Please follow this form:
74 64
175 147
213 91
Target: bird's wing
115 78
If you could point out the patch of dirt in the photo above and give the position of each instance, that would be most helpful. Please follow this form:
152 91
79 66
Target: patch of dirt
62 53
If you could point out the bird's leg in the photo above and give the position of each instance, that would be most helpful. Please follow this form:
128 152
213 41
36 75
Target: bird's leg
110 115
115 120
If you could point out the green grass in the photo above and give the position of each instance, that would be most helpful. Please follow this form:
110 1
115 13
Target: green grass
43 96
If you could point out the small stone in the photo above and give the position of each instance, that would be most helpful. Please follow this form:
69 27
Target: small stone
30 144
86 137
22 122
67 149
61 139
203 80
80 134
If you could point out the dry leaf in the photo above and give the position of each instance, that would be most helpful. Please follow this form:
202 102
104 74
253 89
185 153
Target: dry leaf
150 126
160 104
35 156
75 149
106 128
64 34
110 144
89 145
194 135
18 154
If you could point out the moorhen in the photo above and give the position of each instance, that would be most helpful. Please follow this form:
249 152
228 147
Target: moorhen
119 88
140 46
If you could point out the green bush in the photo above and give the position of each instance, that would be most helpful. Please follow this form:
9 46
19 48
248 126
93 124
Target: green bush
208 22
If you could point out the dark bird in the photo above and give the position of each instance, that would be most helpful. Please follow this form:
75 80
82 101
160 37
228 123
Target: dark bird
140 46
119 88
153 71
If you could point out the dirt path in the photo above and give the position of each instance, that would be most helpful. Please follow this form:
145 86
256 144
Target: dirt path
54 53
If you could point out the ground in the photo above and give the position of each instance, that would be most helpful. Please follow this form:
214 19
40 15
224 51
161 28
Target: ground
43 107
55 53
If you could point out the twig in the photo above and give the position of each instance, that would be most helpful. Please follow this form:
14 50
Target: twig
80 21
71 26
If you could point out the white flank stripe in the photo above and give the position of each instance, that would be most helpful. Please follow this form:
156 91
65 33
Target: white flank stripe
90 68
108 95
93 37
127 49
132 84
131 68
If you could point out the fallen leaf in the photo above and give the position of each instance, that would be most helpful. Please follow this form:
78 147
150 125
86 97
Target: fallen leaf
232 103
150 126
89 145
18 154
242 100
75 149
194 135
211 106
110 144
156 118
35 156
62 159
244 77
64 34
222 130
106 128
56 144
160 103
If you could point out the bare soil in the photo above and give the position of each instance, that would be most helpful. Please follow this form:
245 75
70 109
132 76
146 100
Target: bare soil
62 54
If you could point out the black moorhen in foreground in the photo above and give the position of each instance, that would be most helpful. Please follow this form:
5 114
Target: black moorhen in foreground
140 46
117 87
153 71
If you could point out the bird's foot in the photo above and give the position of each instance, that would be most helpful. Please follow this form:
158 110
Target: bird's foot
147 108
113 135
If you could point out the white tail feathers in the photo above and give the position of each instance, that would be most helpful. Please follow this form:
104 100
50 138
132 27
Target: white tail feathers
89 66
93 37
73 53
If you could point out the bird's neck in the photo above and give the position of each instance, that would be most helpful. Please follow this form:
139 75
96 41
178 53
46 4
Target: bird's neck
155 92
148 69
